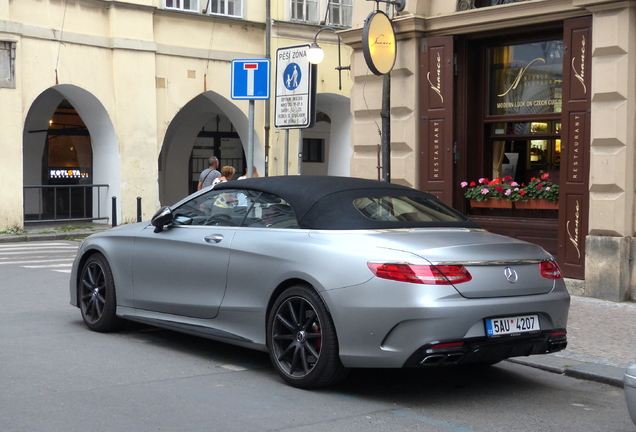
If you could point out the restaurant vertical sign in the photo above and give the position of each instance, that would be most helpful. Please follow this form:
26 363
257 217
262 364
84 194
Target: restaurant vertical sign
574 185
436 124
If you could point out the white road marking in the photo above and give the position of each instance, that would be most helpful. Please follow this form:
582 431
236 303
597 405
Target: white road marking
48 266
36 261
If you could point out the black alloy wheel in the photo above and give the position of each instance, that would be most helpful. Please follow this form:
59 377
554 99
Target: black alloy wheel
97 295
302 340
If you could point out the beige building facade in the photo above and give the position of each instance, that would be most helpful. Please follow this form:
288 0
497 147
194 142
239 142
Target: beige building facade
109 109
112 108
546 87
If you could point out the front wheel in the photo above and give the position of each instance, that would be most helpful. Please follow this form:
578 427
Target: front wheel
97 295
302 340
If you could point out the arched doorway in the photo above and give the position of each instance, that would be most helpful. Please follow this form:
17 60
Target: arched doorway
327 146
70 157
208 125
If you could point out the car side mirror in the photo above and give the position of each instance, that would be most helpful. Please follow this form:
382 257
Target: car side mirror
161 218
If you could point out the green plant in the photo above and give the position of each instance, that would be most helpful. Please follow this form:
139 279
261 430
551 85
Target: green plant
69 228
541 188
16 230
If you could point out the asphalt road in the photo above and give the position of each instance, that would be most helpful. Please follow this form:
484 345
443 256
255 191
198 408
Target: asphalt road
59 376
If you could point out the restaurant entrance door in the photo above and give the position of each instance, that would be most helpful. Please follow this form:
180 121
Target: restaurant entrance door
519 105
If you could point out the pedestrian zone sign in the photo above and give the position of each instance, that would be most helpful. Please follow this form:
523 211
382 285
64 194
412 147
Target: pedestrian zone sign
250 79
295 89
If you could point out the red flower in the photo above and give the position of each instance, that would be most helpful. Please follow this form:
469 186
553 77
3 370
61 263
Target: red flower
472 184
533 179
545 176
539 186
499 189
522 192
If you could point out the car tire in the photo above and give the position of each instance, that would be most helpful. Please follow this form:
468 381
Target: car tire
97 299
302 340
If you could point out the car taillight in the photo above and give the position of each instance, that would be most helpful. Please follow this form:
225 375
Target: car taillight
550 270
421 274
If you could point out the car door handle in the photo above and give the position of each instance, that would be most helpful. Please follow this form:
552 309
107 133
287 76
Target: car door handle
215 238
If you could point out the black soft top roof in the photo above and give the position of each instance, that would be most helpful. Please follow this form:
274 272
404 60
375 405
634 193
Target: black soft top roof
326 202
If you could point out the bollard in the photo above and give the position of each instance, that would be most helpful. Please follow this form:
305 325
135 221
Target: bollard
138 209
114 213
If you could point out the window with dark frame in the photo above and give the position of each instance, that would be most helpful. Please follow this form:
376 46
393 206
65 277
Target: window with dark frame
525 81
313 150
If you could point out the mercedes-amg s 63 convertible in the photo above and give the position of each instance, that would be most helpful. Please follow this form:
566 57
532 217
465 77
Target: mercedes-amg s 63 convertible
326 274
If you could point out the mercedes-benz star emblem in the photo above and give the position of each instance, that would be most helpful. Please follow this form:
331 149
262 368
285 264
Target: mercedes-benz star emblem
511 275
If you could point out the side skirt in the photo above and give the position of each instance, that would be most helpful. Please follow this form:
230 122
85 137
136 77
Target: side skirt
192 329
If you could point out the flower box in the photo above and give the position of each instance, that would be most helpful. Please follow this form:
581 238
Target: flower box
537 204
492 203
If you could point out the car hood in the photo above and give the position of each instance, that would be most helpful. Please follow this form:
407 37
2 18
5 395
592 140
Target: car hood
490 259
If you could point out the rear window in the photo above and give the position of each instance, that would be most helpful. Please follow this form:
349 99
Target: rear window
405 209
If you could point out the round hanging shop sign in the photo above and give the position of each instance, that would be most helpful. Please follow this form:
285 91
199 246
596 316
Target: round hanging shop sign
378 43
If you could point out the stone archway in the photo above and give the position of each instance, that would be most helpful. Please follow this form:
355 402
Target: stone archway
103 140
182 134
333 125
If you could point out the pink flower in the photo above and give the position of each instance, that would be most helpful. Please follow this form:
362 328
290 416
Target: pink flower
485 191
464 184
508 192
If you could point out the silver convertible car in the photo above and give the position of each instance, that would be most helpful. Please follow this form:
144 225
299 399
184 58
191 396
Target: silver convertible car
326 274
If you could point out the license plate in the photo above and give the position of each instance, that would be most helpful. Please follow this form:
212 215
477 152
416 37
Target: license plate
512 325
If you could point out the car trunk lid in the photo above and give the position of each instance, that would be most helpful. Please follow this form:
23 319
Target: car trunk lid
500 266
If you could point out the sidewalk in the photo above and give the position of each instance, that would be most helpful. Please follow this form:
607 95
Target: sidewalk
601 344
54 231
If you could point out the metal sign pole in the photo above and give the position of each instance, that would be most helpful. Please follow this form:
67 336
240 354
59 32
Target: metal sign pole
386 128
300 151
250 141
286 157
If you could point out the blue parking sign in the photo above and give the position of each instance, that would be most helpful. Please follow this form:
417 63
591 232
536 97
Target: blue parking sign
250 79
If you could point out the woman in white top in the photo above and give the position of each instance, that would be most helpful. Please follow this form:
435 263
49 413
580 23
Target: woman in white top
226 174
254 174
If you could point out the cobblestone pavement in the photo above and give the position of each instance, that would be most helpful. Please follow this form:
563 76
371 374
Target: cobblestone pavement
603 330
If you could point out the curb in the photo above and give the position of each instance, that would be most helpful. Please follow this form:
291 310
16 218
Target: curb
604 374
44 237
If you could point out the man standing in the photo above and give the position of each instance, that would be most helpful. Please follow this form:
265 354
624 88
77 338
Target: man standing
209 175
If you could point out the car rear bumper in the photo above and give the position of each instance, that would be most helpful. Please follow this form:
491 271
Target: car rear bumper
487 350
393 325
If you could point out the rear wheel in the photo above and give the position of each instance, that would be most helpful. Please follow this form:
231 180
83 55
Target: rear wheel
97 295
302 340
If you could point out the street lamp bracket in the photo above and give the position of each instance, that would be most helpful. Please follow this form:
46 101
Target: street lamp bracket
315 54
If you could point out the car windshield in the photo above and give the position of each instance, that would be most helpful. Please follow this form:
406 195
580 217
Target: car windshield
404 209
